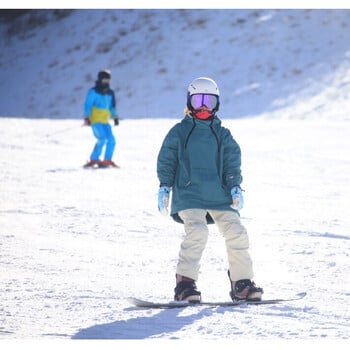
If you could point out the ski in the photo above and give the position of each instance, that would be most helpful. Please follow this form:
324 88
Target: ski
100 166
181 304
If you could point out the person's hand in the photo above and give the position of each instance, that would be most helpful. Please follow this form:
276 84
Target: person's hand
86 122
116 121
163 199
237 198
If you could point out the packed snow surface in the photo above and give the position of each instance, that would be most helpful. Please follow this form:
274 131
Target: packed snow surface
76 243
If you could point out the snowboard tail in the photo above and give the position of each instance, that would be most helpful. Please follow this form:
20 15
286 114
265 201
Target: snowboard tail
181 304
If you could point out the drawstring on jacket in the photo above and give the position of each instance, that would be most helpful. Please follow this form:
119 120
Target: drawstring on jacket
216 136
211 128
189 134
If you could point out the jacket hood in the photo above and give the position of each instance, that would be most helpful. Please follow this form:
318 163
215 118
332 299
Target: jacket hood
192 123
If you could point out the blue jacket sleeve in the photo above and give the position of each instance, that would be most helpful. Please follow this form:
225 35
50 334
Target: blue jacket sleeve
89 102
113 109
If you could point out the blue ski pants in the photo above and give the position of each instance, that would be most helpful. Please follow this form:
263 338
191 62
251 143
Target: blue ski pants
105 137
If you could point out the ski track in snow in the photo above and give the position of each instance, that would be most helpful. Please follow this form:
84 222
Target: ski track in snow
75 243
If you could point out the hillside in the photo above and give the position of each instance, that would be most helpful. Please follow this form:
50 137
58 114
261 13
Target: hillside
263 61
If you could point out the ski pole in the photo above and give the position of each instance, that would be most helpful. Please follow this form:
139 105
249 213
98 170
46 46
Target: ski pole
63 130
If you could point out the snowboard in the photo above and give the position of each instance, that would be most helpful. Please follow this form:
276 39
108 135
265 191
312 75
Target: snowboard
181 304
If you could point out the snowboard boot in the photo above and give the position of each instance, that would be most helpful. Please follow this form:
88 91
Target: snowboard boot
186 289
245 290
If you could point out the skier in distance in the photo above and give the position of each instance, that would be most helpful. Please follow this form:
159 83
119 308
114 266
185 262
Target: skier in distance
99 107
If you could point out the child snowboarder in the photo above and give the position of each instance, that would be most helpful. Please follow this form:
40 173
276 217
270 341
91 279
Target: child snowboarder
200 162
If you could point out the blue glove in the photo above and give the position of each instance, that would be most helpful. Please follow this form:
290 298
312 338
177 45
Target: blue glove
237 198
163 199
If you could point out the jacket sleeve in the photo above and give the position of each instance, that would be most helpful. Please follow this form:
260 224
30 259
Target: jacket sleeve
89 102
232 161
113 108
168 159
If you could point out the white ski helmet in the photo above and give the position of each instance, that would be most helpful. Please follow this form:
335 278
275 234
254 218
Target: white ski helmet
203 85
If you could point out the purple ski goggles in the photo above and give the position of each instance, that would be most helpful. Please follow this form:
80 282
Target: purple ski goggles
199 100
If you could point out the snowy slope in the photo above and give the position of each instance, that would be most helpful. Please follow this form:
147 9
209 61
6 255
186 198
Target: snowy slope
76 243
262 60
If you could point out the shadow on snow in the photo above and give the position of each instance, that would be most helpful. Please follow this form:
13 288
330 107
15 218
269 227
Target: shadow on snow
166 321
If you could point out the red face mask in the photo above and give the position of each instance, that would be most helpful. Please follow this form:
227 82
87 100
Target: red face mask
202 114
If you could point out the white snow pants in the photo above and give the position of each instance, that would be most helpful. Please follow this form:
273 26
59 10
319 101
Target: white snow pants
196 236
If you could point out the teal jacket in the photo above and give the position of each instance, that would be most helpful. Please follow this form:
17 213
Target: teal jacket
200 161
